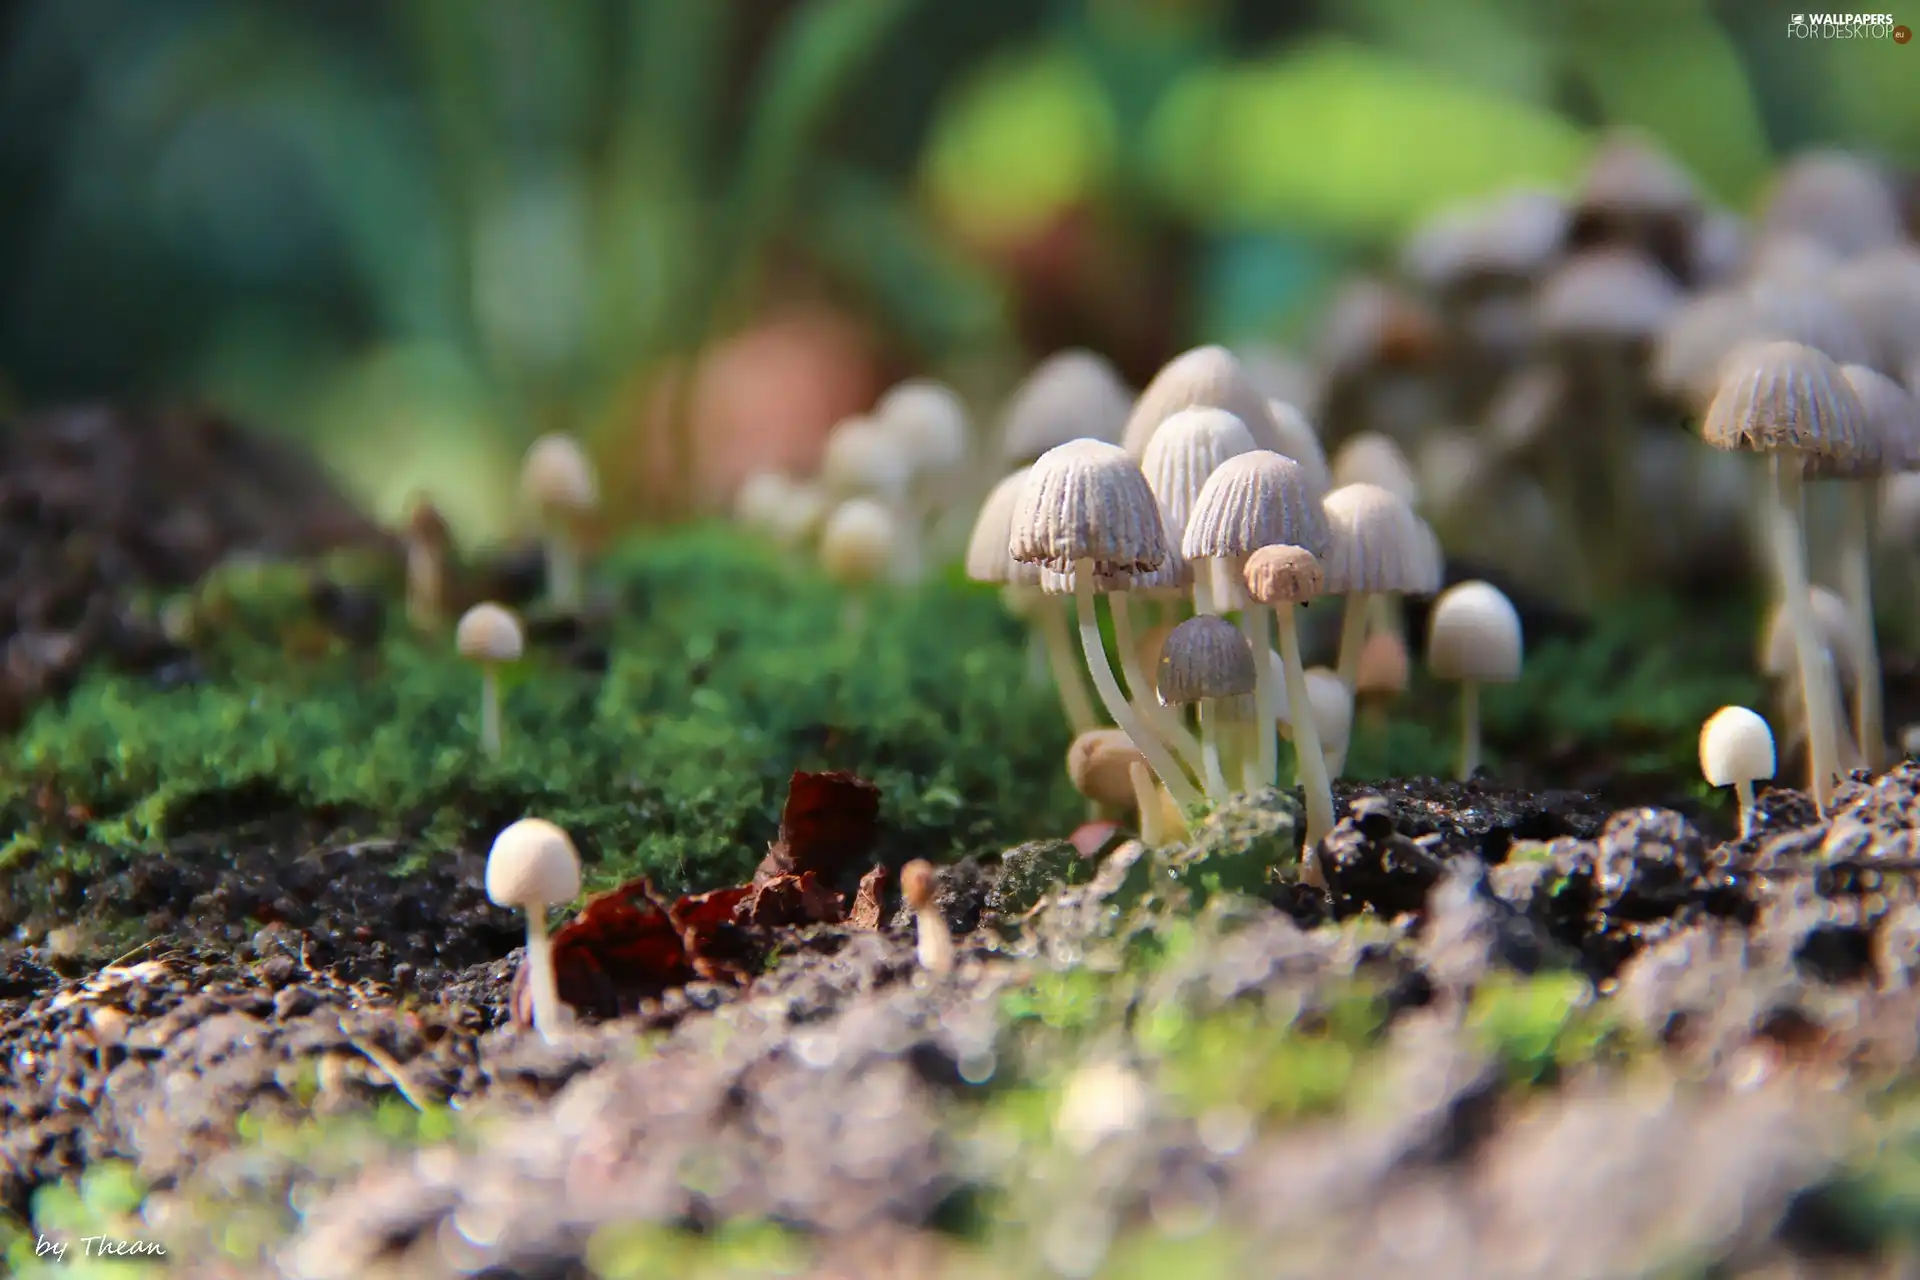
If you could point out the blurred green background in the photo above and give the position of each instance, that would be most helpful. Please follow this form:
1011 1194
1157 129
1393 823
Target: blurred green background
418 232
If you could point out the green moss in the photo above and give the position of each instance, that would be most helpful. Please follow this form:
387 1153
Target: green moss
735 1249
104 1202
729 668
1541 1025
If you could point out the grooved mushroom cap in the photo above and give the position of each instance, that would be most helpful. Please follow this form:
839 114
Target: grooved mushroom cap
489 633
857 543
556 475
532 865
1473 633
1782 397
1735 746
987 558
1369 457
1071 395
1378 543
1281 574
864 459
930 420
1384 670
1188 447
1891 440
1173 577
1832 624
1838 198
1087 500
1606 294
1205 377
1098 763
1204 657
1253 500
1299 441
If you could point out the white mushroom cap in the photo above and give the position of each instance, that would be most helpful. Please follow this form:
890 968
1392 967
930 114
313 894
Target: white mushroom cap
1378 543
1368 457
1473 633
800 516
930 418
987 556
1071 395
1186 449
557 475
1254 500
489 632
858 543
758 500
532 865
1298 440
1735 746
864 459
1088 500
1209 377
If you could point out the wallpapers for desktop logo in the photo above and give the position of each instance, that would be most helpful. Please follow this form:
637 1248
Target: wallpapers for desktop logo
1846 26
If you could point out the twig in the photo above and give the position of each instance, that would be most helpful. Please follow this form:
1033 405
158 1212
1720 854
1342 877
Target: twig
385 1061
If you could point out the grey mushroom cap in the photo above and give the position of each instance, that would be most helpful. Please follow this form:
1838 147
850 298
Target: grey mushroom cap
1783 397
1891 439
1088 500
1609 294
1378 543
1209 377
1204 657
1254 500
1073 394
987 556
1835 197
1186 449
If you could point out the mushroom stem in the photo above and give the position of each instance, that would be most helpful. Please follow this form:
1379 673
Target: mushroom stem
1744 789
426 585
1856 588
1306 734
1469 730
1210 749
1051 623
549 1015
1253 624
1353 635
1816 693
933 945
1108 688
1140 689
490 710
1146 798
563 568
1388 615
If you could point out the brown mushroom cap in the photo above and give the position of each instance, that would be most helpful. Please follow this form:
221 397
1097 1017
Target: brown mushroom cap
1206 377
918 882
1185 450
1378 544
1783 397
987 556
557 475
1088 500
489 632
1384 670
1204 657
1281 574
1254 500
1098 763
1071 395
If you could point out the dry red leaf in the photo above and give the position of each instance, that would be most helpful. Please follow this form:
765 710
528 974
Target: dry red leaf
620 948
867 906
831 821
790 900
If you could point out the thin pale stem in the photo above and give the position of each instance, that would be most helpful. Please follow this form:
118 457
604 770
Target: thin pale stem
1790 558
563 568
1158 756
1306 734
1051 619
1357 613
1140 690
1469 729
549 1015
1744 789
1253 625
1146 799
490 711
1856 588
1388 615
1210 749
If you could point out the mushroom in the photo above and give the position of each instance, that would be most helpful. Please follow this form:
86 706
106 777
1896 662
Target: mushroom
1255 500
1840 648
1071 395
857 546
1086 513
1382 674
558 480
1110 771
862 459
428 541
532 866
1837 198
933 944
1736 750
1379 548
788 510
1368 457
1205 659
988 560
1332 708
931 422
1183 454
1280 576
1473 636
1792 403
1205 377
490 635
1299 441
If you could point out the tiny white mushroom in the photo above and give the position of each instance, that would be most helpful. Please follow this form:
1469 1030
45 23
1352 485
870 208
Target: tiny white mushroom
934 940
532 866
558 480
1736 750
490 635
1473 636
